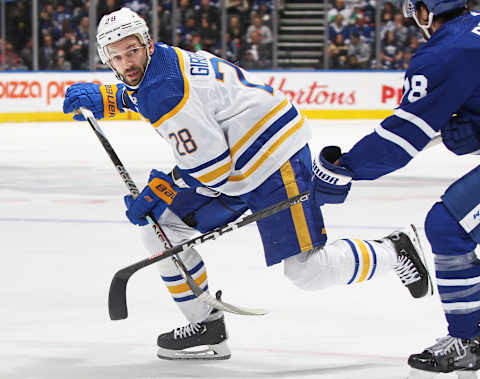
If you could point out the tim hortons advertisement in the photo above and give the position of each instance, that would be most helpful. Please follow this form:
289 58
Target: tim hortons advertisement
315 92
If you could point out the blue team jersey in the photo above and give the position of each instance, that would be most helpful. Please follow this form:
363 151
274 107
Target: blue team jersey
441 80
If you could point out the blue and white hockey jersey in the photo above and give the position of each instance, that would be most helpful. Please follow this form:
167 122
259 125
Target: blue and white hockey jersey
228 131
441 80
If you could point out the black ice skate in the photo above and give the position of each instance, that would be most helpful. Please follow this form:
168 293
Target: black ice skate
204 340
411 267
447 355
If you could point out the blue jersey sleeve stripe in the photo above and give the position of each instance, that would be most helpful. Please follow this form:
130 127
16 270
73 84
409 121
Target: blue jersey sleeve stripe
392 137
407 130
260 142
203 166
415 120
221 183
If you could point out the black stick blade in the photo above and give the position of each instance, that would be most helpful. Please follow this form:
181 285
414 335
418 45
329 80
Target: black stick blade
117 297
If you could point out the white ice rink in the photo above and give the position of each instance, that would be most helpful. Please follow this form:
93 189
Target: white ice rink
63 235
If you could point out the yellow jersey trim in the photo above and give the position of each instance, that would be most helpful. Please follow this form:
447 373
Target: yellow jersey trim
257 126
298 215
206 178
269 152
186 93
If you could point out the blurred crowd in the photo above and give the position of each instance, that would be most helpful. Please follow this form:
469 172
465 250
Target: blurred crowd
352 42
64 31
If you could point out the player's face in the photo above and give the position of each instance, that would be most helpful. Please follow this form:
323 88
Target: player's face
129 58
422 15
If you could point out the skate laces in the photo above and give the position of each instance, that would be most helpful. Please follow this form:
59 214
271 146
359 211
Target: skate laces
406 270
446 345
187 331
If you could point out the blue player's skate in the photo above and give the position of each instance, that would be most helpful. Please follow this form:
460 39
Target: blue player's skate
449 354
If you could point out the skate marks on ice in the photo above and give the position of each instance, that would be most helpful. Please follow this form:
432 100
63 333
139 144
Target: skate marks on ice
418 374
124 361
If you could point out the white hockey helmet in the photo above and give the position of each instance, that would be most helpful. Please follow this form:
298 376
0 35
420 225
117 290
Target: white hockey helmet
117 25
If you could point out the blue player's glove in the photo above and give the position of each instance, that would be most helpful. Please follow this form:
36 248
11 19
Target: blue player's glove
99 99
461 135
330 183
154 198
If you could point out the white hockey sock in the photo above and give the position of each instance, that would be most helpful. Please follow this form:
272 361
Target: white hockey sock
177 231
344 261
193 309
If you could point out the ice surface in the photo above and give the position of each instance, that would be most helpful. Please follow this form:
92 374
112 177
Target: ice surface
63 235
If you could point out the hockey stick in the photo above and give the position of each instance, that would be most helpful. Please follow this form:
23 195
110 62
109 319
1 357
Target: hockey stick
195 288
117 301
118 287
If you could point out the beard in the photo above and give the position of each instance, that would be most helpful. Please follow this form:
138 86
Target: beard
134 75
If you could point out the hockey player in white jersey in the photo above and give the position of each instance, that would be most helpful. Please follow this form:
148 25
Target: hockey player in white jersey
238 145
441 93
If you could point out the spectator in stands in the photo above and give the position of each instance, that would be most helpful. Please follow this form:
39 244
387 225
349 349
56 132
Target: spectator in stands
360 49
235 28
387 23
197 44
164 23
407 57
399 61
207 34
263 32
46 53
352 63
237 7
338 52
365 31
184 12
340 9
263 8
414 44
26 54
18 27
11 60
82 32
232 52
250 61
389 50
205 10
400 30
60 63
139 6
338 27
187 29
46 22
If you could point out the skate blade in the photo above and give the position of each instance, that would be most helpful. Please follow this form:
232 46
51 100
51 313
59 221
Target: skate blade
211 352
414 237
420 374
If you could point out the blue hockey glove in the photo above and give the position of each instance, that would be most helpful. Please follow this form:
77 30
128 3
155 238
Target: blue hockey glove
461 135
154 198
103 101
330 183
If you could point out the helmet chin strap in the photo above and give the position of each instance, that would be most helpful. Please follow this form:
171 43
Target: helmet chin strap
424 27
